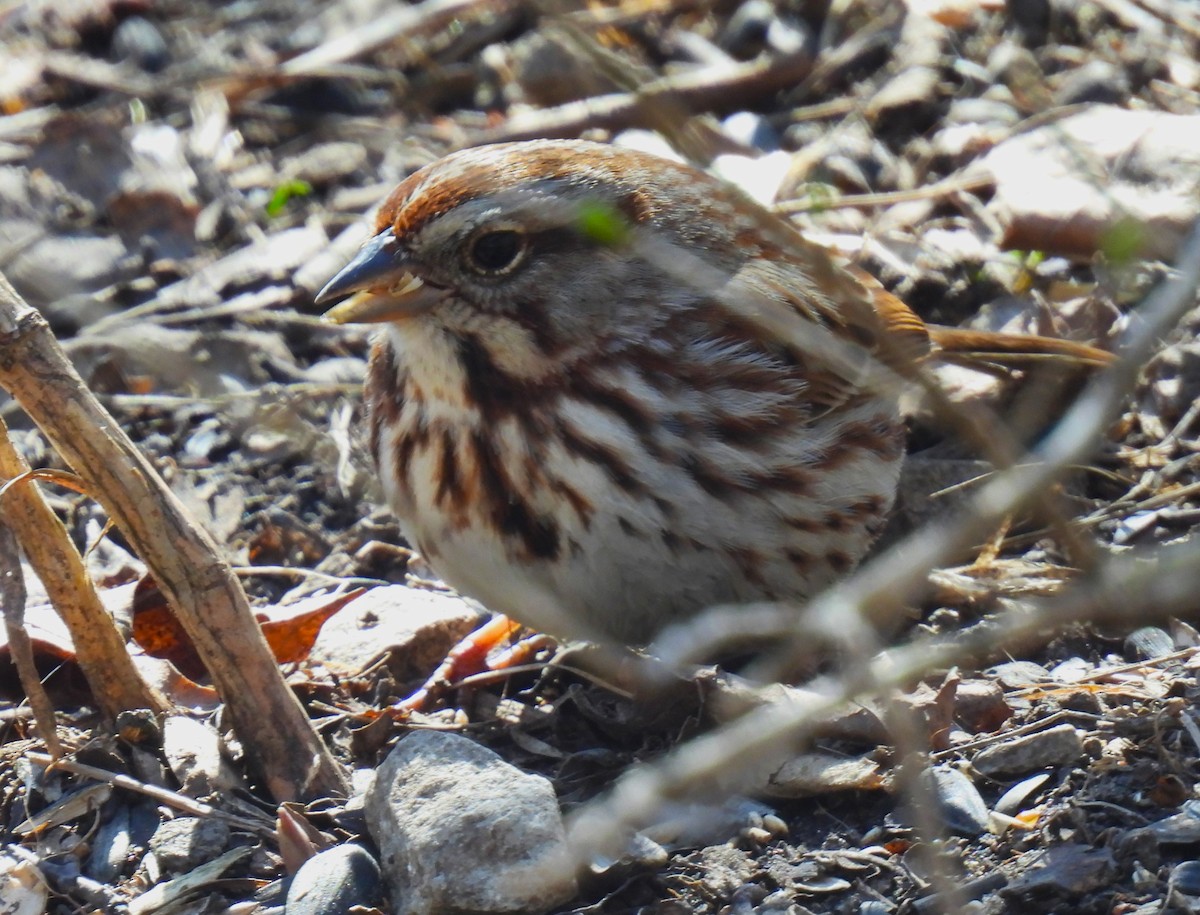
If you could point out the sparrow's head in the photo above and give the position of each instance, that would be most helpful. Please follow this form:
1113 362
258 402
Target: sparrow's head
553 235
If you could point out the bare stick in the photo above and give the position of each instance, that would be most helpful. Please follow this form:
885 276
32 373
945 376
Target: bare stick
99 647
12 596
200 586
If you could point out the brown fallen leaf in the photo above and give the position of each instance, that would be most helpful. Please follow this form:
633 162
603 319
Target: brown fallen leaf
290 631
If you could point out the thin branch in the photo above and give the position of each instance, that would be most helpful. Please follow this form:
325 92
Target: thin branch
200 586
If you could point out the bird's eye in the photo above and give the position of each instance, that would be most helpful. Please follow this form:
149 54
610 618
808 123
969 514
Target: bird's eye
496 252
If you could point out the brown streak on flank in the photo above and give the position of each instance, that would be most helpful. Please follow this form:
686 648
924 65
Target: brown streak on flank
623 404
383 392
581 506
800 560
805 525
459 498
839 561
837 522
710 478
539 536
750 563
827 389
449 485
860 436
752 432
615 467
835 457
867 437
670 540
628 529
405 447
866 507
790 479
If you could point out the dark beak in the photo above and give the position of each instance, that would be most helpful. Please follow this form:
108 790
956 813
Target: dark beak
380 284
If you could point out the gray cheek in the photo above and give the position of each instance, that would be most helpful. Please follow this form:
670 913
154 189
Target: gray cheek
603 289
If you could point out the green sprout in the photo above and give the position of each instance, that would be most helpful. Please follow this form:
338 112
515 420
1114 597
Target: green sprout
1123 240
284 193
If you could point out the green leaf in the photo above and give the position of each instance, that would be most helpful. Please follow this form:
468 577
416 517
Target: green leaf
1123 240
286 192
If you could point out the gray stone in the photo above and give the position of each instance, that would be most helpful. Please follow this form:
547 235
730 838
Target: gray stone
182 843
1057 746
460 830
330 882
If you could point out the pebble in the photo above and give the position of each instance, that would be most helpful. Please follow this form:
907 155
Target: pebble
1057 746
460 830
1014 800
1096 82
1148 642
1062 870
330 882
1183 886
139 41
959 804
185 842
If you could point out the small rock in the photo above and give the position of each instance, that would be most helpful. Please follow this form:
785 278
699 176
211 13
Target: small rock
1063 870
910 94
185 842
1148 642
1058 746
991 112
139 41
751 129
1183 887
1096 82
330 882
1013 800
959 804
1081 700
1182 828
745 32
1019 674
194 751
23 889
111 846
460 830
979 706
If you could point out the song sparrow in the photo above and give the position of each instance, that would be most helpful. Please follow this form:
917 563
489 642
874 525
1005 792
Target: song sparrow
587 406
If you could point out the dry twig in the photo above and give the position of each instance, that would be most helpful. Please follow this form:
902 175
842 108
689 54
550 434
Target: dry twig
200 586
99 647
